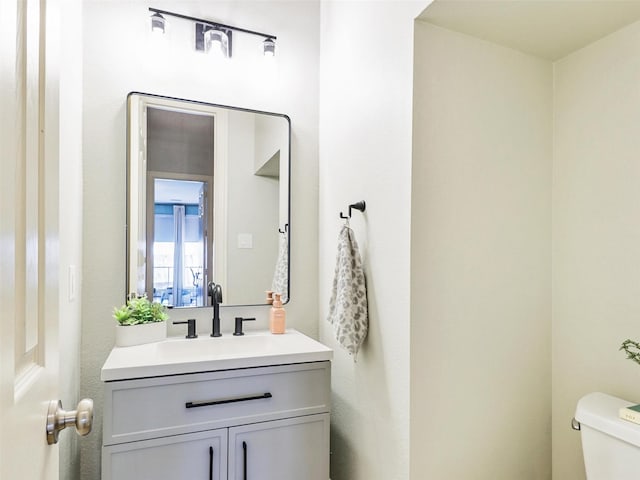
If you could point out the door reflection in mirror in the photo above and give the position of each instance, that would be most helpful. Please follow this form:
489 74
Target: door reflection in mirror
180 165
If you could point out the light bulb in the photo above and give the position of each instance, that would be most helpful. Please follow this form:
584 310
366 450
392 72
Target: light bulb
217 42
269 47
157 23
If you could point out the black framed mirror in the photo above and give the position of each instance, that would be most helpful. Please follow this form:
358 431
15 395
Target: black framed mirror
208 200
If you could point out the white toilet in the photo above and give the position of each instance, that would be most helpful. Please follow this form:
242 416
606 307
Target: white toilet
610 445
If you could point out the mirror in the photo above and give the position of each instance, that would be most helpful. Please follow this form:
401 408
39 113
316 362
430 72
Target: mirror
208 201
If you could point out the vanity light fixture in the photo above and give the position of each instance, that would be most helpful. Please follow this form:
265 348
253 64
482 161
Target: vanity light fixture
157 23
269 47
213 37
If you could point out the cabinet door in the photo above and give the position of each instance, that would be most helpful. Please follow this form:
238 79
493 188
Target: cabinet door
290 449
194 456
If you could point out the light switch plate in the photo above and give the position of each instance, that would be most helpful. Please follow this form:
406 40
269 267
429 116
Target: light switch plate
245 240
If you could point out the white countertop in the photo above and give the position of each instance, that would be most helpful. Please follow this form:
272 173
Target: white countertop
177 355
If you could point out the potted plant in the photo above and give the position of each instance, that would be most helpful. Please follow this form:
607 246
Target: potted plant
140 321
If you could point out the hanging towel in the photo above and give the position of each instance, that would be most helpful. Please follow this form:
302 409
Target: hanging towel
281 274
348 306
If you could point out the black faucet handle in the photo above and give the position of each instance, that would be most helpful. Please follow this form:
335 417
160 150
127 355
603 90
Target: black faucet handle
215 292
191 327
238 330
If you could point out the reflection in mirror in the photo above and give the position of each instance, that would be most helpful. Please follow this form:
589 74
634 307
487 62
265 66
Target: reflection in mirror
208 201
179 242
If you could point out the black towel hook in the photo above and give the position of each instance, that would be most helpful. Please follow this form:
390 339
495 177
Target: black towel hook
286 228
361 206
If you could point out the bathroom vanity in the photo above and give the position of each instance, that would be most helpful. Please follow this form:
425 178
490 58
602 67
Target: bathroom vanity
245 408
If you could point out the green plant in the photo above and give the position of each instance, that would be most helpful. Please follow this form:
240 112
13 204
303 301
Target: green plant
632 349
139 310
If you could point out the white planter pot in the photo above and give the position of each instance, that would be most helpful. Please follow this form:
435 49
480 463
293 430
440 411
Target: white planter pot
129 335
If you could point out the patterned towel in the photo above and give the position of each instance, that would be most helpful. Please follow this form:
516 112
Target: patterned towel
348 306
281 275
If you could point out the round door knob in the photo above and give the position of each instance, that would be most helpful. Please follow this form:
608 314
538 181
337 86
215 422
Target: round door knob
59 419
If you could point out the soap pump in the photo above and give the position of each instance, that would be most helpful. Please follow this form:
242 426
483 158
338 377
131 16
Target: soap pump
277 315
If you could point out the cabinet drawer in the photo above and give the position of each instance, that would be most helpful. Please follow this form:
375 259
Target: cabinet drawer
157 407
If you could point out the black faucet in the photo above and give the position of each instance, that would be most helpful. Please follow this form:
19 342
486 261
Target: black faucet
215 292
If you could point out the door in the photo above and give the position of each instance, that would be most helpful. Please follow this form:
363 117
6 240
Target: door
203 212
172 141
29 236
289 449
201 455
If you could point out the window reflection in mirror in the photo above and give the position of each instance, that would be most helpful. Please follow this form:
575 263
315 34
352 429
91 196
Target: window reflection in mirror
208 200
179 242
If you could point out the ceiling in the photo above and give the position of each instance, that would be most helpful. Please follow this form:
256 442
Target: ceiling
550 29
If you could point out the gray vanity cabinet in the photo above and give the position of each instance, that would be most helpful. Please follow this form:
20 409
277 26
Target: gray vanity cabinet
262 423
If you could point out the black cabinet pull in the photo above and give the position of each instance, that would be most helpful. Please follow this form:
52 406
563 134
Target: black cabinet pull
244 458
210 463
226 400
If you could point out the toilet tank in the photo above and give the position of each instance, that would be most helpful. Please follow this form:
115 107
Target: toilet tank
610 445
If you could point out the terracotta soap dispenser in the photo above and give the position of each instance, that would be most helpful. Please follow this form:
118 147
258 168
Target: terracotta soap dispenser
277 315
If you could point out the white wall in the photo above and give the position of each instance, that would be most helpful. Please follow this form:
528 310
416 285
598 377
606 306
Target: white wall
119 58
503 203
268 139
365 154
596 232
254 200
480 260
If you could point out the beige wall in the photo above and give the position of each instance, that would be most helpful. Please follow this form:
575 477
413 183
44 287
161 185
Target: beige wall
119 57
365 154
480 260
482 269
596 232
